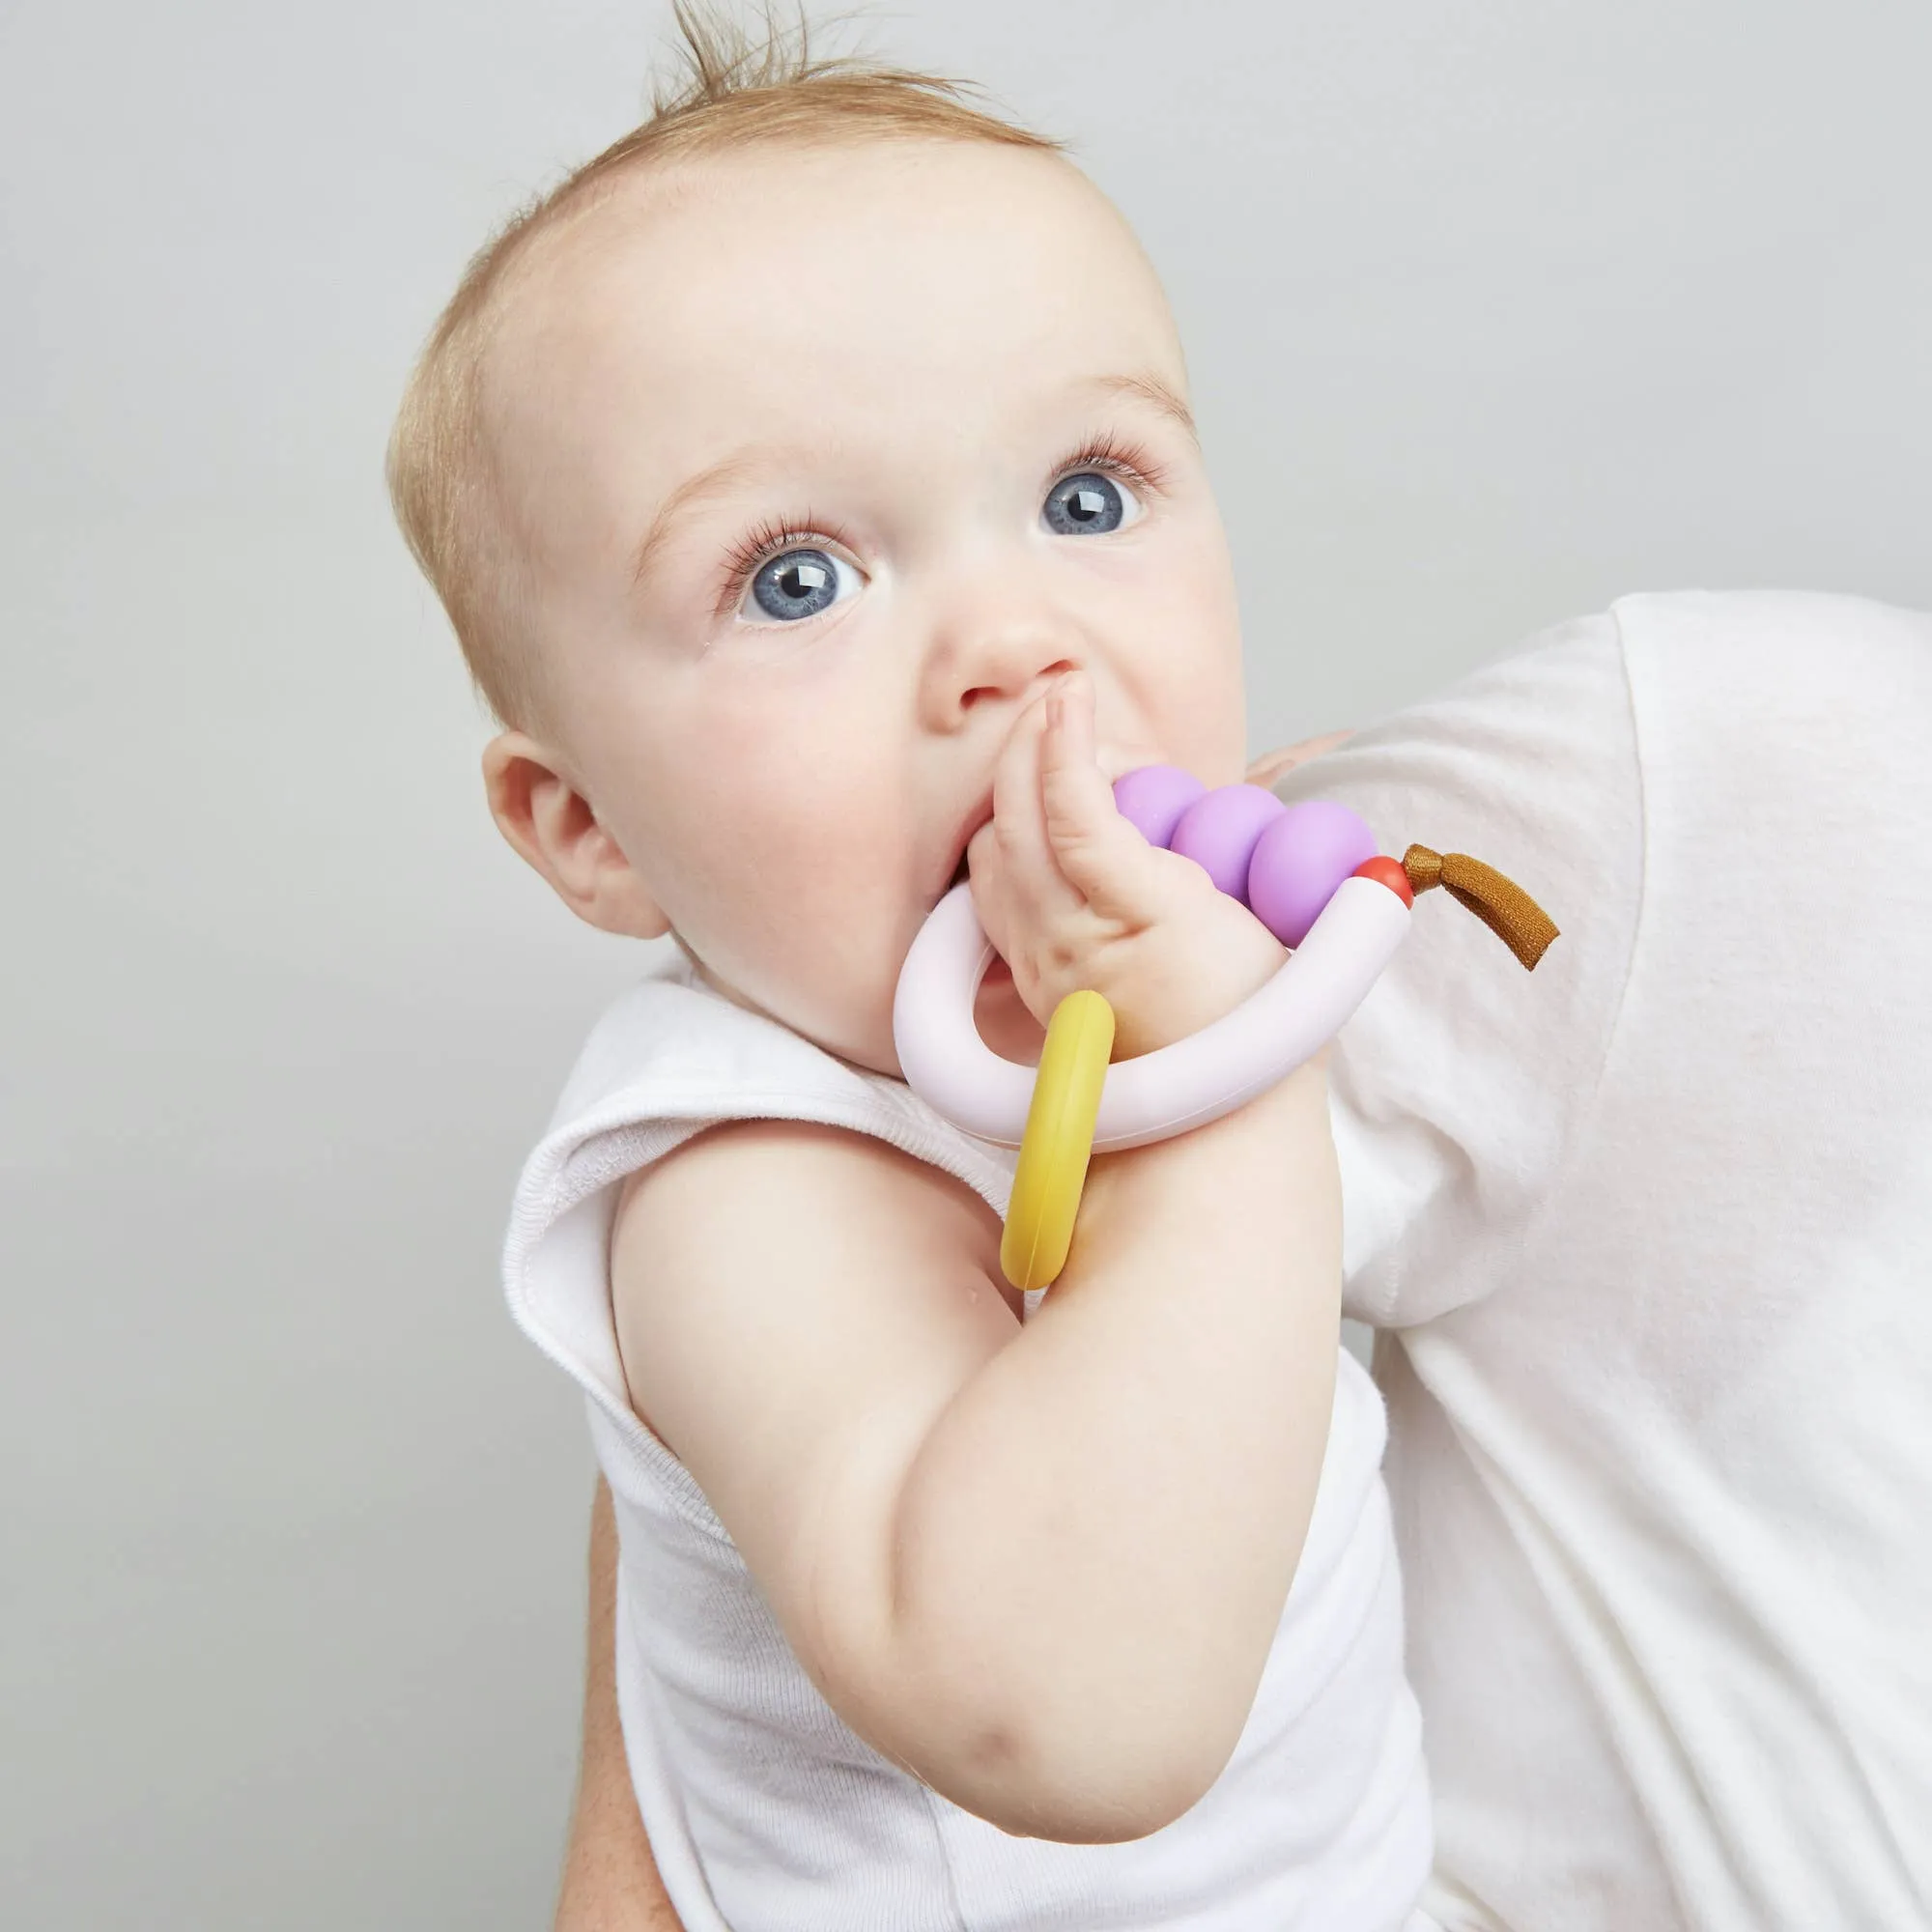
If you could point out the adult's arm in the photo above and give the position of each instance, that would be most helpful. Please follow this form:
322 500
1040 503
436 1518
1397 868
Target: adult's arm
610 1881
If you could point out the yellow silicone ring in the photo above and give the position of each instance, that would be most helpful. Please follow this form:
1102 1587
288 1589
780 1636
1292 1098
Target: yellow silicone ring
1059 1141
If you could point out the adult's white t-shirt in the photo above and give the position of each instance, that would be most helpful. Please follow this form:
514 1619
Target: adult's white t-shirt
1650 1237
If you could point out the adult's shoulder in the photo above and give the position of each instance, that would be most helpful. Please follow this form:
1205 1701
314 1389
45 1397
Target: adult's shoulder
1782 738
1747 674
1709 792
1677 629
1463 1082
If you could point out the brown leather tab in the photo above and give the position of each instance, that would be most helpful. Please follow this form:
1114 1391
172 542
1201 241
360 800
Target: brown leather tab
1499 902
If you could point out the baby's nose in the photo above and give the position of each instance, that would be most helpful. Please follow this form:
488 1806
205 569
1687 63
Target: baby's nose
1003 656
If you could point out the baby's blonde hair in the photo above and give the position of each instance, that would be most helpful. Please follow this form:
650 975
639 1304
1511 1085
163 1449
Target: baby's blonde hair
733 90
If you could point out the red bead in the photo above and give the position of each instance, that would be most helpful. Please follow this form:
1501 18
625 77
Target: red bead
1387 872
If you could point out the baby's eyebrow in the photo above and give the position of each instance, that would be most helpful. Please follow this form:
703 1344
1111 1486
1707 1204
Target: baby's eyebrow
1149 389
715 479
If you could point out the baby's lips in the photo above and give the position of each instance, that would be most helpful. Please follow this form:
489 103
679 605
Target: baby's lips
975 825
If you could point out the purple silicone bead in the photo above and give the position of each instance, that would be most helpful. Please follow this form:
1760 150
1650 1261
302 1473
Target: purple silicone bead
1153 798
1298 862
1218 833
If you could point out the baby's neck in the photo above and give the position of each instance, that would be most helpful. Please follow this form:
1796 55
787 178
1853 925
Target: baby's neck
999 1012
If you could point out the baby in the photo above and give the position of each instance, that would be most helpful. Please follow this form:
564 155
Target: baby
812 484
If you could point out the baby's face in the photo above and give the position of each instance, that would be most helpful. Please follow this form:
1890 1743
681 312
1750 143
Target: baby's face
824 462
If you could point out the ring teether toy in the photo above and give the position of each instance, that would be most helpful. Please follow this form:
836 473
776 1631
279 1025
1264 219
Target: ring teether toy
1309 871
1059 1140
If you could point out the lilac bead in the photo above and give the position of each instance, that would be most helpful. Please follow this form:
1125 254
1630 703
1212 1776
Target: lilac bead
1298 862
1219 831
1153 798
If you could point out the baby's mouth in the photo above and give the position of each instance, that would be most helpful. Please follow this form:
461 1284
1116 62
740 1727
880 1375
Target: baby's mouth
981 817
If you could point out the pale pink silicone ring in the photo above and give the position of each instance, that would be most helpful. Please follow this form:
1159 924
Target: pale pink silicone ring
1195 1080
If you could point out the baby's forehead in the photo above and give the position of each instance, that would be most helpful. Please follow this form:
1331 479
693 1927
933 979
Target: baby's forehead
915 243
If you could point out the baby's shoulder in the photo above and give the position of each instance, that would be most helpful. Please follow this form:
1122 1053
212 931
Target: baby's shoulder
776 1195
669 1044
672 1058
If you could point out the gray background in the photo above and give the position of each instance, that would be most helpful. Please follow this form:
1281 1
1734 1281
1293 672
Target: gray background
1495 313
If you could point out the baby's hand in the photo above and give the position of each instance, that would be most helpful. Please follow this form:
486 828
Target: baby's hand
1073 896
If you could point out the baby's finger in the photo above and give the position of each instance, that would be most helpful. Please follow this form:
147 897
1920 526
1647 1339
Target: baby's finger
1019 823
987 879
1098 852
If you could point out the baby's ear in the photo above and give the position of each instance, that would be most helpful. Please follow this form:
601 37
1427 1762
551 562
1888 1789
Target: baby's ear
551 823
1271 767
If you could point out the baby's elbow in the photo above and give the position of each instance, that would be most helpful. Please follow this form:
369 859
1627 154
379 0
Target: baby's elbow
1109 1811
1055 1751
1097 1789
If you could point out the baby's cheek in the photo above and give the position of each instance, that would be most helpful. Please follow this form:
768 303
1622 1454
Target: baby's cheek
1205 725
829 957
1191 674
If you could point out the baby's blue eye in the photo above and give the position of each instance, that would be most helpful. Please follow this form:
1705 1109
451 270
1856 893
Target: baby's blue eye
1089 503
797 583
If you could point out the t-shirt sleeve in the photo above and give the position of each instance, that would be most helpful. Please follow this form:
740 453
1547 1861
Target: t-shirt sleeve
1462 1083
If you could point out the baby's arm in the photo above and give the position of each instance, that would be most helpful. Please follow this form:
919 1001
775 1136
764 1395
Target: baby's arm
1040 1567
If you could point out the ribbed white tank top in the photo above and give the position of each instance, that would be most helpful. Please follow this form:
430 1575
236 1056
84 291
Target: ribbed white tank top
766 1812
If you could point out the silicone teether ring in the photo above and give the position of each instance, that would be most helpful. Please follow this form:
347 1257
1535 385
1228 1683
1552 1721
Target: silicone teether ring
1058 1142
1187 1085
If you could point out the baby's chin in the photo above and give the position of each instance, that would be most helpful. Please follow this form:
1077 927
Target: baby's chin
1002 1018
998 1012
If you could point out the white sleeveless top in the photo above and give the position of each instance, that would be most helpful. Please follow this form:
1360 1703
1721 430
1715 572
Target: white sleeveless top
766 1812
